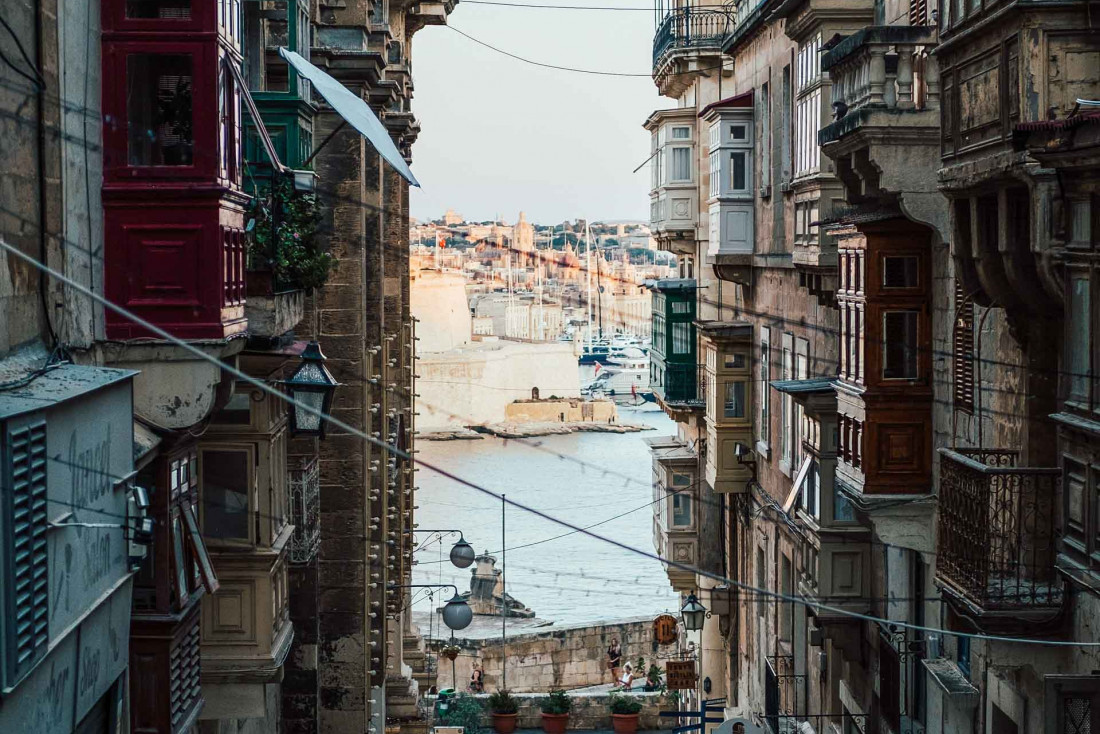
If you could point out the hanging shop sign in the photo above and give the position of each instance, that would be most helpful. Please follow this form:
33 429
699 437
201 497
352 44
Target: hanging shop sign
680 675
664 629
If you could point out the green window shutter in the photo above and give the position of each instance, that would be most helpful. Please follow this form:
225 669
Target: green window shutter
27 595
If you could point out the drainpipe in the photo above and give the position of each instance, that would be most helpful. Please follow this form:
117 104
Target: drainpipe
40 111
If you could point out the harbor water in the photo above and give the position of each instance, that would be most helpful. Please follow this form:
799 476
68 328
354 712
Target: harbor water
580 478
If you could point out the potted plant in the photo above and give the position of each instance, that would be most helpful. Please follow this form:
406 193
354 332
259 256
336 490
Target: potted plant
504 707
463 711
652 678
283 250
624 713
555 712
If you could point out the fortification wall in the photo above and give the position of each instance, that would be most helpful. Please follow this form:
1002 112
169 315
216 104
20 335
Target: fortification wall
570 656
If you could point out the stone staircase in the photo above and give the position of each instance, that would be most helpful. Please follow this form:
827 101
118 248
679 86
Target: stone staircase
417 657
405 687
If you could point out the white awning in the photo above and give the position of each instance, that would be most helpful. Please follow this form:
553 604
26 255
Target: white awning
354 110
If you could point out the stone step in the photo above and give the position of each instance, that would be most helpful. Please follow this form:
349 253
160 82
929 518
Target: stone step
416 726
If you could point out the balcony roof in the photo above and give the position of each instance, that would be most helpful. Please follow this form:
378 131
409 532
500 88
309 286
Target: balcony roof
813 385
675 284
726 330
739 101
58 385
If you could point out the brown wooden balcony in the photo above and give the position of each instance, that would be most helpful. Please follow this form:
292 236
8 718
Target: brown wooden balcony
997 536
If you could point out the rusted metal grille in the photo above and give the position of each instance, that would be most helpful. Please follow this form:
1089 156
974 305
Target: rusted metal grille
962 351
997 530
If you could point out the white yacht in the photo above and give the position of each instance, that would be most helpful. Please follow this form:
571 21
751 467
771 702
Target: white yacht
625 379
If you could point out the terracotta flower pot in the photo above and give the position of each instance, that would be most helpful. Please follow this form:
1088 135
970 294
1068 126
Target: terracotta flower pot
504 723
554 723
624 723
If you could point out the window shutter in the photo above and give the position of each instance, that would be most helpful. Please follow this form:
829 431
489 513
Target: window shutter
918 12
962 348
27 596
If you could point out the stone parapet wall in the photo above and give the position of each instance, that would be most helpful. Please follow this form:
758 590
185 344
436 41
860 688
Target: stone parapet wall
571 656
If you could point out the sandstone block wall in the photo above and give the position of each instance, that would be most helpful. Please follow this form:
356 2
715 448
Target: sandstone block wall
557 657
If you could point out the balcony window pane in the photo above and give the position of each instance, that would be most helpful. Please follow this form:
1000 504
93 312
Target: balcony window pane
159 9
843 511
738 172
681 164
899 348
237 411
681 133
1079 339
681 338
737 132
899 272
158 109
225 484
681 510
734 406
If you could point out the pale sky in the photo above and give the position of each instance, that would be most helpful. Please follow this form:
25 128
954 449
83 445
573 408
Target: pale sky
499 136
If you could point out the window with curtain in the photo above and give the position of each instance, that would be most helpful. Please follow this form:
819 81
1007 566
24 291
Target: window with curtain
681 338
681 164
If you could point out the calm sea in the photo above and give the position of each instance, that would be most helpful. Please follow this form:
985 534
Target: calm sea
570 579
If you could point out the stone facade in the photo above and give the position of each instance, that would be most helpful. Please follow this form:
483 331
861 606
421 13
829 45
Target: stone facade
890 407
571 656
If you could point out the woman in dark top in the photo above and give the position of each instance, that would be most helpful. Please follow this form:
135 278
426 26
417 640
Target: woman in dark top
614 660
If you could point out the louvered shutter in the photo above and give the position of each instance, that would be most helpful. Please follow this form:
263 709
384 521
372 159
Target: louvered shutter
27 591
918 12
962 351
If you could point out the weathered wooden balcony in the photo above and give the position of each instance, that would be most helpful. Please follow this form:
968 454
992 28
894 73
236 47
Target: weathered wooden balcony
997 532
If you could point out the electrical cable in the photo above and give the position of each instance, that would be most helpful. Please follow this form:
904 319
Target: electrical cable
398 452
556 7
558 67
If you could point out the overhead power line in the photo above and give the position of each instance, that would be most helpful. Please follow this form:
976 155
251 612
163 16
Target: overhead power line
595 72
556 7
732 583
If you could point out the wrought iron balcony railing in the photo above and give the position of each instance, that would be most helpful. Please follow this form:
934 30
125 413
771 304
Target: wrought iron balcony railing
997 531
682 385
305 512
690 28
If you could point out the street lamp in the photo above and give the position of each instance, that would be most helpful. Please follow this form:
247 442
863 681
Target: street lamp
312 387
457 614
693 613
462 553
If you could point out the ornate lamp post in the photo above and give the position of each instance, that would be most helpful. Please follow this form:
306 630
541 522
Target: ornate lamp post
462 553
694 615
311 388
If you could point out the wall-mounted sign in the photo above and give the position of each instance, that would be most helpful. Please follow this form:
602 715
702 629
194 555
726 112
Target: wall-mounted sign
680 675
664 629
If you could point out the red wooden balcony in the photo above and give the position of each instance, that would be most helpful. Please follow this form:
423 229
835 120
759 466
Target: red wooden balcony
997 534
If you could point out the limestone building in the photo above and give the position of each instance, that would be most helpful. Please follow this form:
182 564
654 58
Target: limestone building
878 358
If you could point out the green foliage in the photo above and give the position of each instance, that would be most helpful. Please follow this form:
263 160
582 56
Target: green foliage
558 702
624 705
503 702
284 237
653 675
463 711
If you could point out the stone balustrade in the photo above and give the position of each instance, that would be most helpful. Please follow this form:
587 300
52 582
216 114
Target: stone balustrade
884 68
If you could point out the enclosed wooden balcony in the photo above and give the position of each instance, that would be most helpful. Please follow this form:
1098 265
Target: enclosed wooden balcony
997 532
